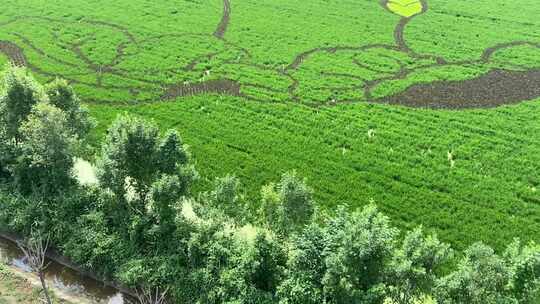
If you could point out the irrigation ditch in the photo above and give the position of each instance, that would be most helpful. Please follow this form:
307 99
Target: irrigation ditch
64 275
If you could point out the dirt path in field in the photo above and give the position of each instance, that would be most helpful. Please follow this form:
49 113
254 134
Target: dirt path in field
222 86
13 52
495 88
225 19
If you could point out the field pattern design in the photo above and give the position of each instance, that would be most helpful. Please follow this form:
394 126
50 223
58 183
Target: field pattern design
212 71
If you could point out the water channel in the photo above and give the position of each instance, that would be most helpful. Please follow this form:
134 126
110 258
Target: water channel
63 278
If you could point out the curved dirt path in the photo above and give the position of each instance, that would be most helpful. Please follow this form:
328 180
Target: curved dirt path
225 19
399 31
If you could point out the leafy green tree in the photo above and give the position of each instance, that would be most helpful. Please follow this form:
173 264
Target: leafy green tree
289 206
46 151
297 199
254 270
134 156
360 247
482 277
209 253
20 93
164 195
524 264
271 210
94 245
148 174
225 197
128 156
414 266
265 263
62 96
344 261
306 268
171 152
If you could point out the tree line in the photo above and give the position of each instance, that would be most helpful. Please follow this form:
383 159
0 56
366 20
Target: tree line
142 225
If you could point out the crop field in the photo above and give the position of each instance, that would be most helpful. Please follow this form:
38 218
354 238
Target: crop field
429 108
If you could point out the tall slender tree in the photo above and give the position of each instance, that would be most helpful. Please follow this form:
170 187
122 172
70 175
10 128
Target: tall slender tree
47 150
20 93
35 250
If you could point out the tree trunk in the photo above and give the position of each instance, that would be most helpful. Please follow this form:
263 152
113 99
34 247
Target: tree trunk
44 286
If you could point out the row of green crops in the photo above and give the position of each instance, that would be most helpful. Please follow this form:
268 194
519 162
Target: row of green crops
469 175
396 157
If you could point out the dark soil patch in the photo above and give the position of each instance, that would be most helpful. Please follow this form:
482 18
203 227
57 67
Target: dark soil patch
496 88
220 86
13 52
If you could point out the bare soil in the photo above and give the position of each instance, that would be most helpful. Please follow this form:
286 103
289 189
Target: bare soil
220 86
496 88
13 52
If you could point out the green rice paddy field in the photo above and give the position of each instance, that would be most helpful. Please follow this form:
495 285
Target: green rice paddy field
430 109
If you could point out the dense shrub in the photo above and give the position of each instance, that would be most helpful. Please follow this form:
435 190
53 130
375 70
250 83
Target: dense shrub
287 206
46 152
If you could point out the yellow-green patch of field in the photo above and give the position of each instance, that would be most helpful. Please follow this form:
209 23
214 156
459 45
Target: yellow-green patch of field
405 8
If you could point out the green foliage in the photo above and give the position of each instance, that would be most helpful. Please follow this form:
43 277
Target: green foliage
259 141
164 195
255 271
62 96
481 277
289 206
306 267
265 263
172 152
524 264
209 250
18 213
225 197
363 244
38 129
415 265
134 156
95 246
46 151
20 92
148 174
128 156
7 153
